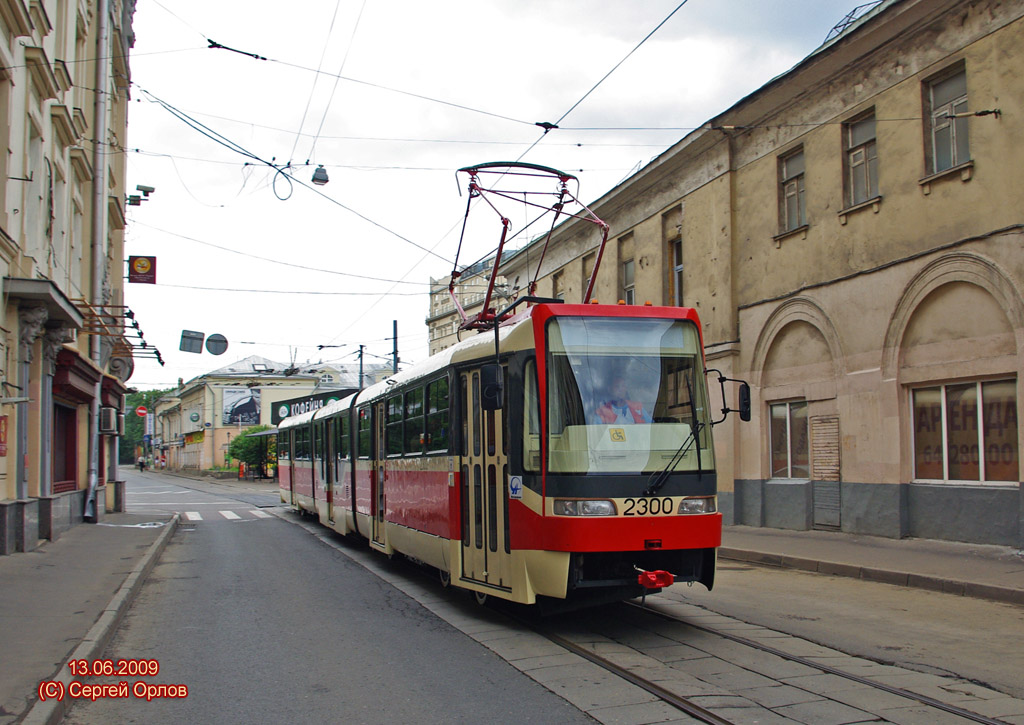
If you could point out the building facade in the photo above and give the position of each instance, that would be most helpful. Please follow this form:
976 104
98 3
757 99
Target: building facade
195 423
64 357
851 234
444 318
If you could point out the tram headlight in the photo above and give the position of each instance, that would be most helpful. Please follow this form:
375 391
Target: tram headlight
587 507
701 505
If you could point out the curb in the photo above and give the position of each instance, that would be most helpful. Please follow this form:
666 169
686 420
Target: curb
991 592
52 711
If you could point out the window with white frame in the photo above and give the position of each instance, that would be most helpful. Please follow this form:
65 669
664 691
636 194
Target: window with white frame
558 285
966 432
676 280
791 191
861 160
947 99
628 288
789 440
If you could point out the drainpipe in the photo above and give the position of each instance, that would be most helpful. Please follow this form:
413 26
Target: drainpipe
99 239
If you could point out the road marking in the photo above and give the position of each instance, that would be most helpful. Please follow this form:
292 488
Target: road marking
260 514
193 516
229 515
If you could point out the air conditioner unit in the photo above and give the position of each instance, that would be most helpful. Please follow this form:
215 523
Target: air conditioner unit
108 420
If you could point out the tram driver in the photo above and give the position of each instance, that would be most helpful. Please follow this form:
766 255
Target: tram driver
615 407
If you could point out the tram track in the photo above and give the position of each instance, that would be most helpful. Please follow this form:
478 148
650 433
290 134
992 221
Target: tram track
707 715
589 633
827 669
665 695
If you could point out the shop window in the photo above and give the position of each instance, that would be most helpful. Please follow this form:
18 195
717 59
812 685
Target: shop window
789 440
966 432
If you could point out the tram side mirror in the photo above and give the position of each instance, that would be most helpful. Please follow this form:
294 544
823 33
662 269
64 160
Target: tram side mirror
492 387
744 409
744 397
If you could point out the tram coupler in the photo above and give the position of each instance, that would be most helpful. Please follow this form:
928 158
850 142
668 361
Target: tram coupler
658 579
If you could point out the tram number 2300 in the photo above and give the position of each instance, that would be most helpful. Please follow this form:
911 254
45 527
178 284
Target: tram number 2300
648 506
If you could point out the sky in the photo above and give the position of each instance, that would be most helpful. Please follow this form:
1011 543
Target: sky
392 97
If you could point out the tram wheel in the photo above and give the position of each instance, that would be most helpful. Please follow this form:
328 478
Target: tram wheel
481 598
446 578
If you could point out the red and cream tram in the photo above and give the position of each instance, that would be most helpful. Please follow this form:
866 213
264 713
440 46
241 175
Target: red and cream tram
567 456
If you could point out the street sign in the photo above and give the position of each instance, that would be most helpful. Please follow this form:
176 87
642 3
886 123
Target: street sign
141 411
216 344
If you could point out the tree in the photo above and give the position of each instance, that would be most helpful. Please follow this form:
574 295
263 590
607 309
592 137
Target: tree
254 451
135 425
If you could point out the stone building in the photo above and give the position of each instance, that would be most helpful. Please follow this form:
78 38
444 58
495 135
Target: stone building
195 422
443 320
851 234
64 357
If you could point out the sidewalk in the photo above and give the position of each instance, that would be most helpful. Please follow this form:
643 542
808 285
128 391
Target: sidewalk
973 570
64 600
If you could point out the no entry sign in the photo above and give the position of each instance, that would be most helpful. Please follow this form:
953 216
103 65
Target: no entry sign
141 411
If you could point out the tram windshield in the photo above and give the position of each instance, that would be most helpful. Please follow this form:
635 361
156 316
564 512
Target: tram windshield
626 395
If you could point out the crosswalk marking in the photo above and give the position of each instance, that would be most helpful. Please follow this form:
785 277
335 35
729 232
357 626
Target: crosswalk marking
229 515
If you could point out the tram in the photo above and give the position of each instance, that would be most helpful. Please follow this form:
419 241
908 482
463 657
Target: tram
567 457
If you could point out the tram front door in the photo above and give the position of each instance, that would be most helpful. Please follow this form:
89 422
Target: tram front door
484 489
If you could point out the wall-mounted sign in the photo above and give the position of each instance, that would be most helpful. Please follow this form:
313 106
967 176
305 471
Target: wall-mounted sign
241 406
142 269
194 417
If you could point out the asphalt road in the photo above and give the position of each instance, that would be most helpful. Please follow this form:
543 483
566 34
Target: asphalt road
264 623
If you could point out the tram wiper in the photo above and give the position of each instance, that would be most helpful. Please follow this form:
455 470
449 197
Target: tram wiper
661 477
656 481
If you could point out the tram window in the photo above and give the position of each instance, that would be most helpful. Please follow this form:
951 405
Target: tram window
504 416
476 414
437 415
393 444
492 508
365 433
464 443
464 478
478 506
282 446
414 421
302 444
504 476
344 436
531 418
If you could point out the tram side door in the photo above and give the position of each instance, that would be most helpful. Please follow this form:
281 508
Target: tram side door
380 456
484 494
329 464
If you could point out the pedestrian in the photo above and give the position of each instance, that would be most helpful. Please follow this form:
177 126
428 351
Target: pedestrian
142 464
